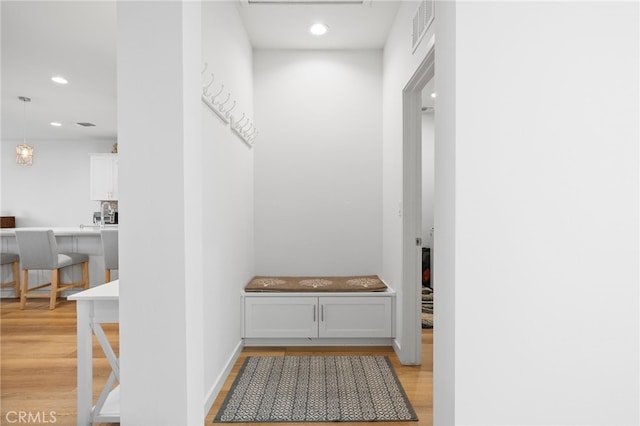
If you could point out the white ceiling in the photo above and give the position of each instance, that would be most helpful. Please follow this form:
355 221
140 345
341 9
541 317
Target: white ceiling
77 39
74 39
285 24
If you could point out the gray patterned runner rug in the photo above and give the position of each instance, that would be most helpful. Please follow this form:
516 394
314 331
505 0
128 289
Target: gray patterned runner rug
316 389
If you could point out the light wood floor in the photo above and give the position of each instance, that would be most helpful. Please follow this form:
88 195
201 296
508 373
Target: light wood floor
38 365
38 361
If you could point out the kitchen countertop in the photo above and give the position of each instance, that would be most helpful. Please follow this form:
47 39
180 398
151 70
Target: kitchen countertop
66 231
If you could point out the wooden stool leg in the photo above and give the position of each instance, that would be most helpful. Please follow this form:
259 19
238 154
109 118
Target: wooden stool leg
25 287
16 278
55 275
85 275
107 275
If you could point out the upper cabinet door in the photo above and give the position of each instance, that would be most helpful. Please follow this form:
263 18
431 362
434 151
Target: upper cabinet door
104 177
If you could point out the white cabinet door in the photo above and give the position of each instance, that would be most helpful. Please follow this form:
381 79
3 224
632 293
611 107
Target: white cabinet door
104 177
355 317
281 317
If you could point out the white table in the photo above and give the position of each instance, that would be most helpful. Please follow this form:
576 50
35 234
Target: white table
96 306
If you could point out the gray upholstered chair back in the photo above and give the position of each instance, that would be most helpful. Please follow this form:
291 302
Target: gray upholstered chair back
110 248
38 249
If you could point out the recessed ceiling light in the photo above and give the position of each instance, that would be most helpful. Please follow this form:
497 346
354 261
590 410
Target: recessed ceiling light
55 124
433 94
318 29
59 80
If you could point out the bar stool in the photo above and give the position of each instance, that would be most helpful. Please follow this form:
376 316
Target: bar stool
14 260
39 251
110 249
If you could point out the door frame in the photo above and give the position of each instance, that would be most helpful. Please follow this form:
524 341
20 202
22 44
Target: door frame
411 351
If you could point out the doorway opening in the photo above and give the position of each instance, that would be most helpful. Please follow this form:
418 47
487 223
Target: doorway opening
427 179
411 352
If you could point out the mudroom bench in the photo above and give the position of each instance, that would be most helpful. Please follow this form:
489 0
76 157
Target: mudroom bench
318 311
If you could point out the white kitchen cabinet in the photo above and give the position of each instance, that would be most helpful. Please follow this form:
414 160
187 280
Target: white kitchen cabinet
104 177
318 316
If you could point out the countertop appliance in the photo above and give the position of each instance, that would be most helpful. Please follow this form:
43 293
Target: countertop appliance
109 218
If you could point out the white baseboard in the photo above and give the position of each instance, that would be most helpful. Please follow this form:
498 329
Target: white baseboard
361 341
219 382
396 347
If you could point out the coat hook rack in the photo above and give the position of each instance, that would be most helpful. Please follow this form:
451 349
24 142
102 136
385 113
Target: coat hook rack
243 128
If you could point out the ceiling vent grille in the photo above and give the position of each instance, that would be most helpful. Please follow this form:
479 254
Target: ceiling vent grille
309 2
422 21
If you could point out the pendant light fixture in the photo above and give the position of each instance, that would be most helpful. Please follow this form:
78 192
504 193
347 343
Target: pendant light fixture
24 152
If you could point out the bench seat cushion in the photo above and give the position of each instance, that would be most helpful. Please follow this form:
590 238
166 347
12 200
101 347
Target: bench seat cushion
363 283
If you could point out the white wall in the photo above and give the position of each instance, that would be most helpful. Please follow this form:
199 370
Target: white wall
399 65
318 162
228 188
428 163
161 195
54 191
543 124
444 256
182 292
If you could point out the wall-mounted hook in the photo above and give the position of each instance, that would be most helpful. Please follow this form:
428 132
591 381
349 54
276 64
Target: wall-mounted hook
251 139
204 68
248 123
237 123
205 89
213 98
253 133
221 104
246 132
226 113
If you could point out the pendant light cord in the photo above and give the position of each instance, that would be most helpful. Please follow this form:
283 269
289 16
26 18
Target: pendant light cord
24 99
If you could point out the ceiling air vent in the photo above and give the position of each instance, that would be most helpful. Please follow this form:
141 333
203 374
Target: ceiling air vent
422 21
86 124
314 2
